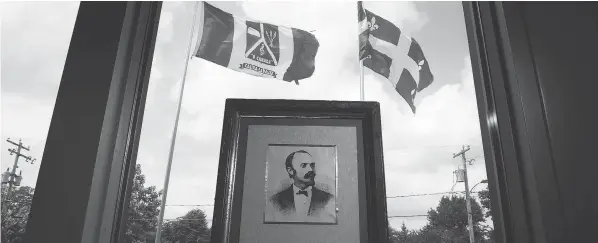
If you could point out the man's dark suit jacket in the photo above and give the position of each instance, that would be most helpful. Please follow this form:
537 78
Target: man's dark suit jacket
285 200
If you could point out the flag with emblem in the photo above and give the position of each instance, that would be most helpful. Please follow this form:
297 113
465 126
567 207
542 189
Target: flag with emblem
255 48
391 54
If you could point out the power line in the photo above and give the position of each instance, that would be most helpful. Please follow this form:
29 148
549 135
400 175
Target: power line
190 205
153 219
425 194
394 216
400 196
431 146
408 216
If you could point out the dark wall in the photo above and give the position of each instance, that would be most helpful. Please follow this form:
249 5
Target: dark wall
563 43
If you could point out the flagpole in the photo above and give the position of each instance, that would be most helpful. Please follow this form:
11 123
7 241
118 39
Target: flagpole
174 130
361 84
360 25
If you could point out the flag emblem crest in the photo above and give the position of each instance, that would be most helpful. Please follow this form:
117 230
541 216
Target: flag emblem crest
256 48
262 43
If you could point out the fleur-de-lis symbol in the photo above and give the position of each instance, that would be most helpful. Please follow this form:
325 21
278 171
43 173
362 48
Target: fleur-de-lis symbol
372 24
271 35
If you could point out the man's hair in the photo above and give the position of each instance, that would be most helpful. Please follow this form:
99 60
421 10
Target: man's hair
289 161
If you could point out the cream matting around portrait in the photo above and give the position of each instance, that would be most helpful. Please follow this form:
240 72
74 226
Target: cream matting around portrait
259 139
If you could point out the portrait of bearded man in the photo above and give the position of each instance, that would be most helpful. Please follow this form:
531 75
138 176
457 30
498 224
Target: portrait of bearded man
302 201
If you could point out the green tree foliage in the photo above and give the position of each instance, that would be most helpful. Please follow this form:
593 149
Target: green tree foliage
142 214
451 213
447 223
485 201
144 209
484 196
15 210
401 236
190 228
404 234
449 219
393 235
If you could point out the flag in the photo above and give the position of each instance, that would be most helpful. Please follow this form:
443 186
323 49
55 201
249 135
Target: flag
391 54
256 48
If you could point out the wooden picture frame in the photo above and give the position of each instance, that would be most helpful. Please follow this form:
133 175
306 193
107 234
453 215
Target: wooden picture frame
331 148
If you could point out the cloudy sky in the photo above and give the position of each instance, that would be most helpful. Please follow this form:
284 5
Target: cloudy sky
418 148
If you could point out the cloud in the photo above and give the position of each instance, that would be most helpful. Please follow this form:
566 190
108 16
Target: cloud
446 120
156 77
34 46
404 14
35 40
165 26
450 113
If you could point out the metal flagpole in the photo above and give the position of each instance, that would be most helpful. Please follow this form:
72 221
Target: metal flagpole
361 84
361 25
174 130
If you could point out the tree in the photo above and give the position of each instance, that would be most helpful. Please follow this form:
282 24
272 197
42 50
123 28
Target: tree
451 213
486 202
192 227
142 213
144 208
402 236
393 235
448 222
15 210
430 234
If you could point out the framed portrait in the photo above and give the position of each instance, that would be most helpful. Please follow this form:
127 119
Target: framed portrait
300 171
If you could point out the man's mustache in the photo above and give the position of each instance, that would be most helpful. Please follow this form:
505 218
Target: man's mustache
309 175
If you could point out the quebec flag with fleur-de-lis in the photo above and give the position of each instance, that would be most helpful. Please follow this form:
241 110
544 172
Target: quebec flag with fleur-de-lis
255 48
395 56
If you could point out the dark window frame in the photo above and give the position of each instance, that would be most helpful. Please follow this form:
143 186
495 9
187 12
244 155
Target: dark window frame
86 172
523 185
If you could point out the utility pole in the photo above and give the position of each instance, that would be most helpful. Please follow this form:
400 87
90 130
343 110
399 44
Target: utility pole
467 201
11 178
